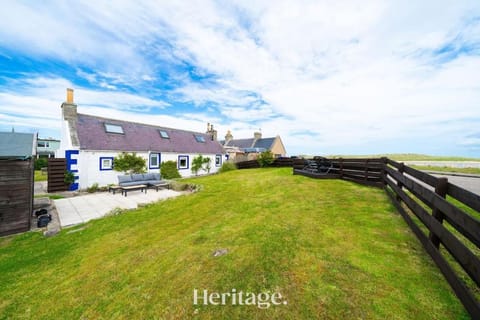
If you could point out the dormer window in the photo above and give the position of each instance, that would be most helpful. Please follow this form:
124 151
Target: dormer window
113 128
199 138
164 134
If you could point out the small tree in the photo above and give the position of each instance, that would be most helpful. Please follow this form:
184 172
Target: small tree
169 170
129 163
265 158
41 163
201 163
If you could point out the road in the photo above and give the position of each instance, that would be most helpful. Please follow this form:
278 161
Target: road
470 183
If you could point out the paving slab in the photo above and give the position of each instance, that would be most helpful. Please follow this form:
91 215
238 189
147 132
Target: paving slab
76 210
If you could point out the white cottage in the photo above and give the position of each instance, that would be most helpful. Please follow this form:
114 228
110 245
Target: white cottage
90 144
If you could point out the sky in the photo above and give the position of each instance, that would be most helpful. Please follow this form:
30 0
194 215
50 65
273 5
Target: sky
329 77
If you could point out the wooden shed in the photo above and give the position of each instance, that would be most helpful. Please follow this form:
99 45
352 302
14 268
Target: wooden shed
17 152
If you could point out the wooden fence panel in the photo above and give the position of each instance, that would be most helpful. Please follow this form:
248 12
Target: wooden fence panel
56 175
466 258
463 222
16 196
468 198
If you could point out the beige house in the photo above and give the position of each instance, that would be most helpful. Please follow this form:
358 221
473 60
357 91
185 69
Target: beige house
249 149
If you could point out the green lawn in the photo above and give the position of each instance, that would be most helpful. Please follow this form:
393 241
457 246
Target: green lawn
39 176
332 249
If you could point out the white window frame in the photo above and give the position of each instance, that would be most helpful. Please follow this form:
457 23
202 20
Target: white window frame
187 160
104 166
154 155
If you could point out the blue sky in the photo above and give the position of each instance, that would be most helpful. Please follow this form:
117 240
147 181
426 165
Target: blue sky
329 77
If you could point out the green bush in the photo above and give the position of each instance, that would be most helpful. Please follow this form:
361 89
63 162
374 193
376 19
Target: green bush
227 166
41 163
169 170
69 177
94 188
129 163
265 158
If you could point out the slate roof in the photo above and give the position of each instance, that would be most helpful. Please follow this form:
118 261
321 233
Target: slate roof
139 137
15 145
263 143
240 143
266 143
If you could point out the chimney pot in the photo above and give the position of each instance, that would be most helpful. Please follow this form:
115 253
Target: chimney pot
69 96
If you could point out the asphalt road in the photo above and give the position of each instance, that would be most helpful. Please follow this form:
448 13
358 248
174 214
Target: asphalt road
467 182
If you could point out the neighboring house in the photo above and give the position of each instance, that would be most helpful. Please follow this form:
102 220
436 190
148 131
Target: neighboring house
90 143
17 151
47 147
249 149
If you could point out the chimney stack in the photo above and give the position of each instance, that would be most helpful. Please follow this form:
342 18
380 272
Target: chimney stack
228 137
69 108
212 132
257 135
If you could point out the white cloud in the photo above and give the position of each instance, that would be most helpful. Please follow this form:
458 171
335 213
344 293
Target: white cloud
333 74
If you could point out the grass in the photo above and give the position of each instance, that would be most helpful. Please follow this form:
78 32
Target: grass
39 176
448 169
50 196
333 249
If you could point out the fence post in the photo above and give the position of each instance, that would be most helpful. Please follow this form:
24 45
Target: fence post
384 172
401 169
366 170
341 168
440 189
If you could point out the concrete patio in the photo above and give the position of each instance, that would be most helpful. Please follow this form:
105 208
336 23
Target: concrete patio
76 210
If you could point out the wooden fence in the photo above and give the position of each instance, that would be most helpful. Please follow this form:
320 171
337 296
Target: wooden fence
16 196
449 233
443 216
56 175
280 162
364 171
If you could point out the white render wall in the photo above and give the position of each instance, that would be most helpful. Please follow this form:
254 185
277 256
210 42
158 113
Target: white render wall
90 173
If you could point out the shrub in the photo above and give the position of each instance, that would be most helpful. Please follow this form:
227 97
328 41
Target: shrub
265 158
181 186
94 188
169 170
201 163
41 163
227 166
129 163
69 177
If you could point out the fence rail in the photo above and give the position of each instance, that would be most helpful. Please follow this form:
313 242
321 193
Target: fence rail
443 216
